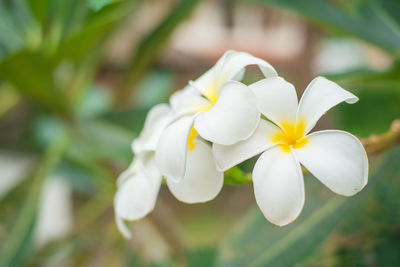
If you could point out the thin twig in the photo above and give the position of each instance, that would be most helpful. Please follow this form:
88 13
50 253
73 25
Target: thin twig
376 144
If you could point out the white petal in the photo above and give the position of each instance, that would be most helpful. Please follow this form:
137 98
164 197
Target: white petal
128 172
156 120
122 227
178 97
276 99
172 148
228 156
187 101
278 186
208 81
319 96
202 181
233 118
137 196
337 159
231 66
235 62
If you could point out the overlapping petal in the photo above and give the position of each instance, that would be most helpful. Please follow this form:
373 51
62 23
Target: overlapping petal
135 198
233 118
208 80
319 96
276 99
235 62
172 148
278 186
337 159
231 66
202 181
156 120
228 156
188 101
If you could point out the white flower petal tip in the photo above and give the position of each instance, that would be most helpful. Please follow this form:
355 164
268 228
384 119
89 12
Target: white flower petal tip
172 148
122 227
156 120
320 96
234 62
231 66
202 181
233 118
136 197
337 159
276 99
228 156
278 186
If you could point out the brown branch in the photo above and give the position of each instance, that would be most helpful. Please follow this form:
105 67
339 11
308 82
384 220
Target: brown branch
377 143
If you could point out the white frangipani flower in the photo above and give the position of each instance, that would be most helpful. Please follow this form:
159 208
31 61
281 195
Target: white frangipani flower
336 158
215 108
138 186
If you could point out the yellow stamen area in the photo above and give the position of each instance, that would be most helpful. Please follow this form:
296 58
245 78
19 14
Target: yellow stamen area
205 108
191 139
211 93
292 136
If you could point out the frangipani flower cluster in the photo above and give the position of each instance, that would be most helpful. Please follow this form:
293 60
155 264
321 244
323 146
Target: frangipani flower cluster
217 122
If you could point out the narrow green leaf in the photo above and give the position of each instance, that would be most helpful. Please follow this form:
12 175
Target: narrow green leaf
367 20
35 82
91 35
256 242
18 241
96 5
8 99
150 48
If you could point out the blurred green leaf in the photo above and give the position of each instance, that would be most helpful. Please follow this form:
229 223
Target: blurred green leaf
154 89
99 4
150 48
256 242
131 119
8 99
47 130
379 94
106 141
22 71
235 176
18 27
201 257
93 103
18 242
371 20
90 36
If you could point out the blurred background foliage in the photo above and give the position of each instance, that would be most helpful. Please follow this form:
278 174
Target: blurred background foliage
76 81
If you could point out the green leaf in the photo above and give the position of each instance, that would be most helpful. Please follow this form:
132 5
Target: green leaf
256 242
379 94
35 83
8 99
89 37
201 257
370 20
151 47
235 176
18 242
99 4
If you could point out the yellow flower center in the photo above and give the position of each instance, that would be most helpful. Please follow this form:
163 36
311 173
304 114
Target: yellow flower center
205 108
191 139
211 93
292 136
